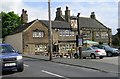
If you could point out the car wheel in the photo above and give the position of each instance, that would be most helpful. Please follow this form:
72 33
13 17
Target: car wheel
84 57
101 57
75 56
20 69
109 54
93 56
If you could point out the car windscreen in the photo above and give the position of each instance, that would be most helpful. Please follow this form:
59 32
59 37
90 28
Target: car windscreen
6 49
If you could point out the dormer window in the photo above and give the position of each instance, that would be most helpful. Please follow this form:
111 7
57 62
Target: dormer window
38 33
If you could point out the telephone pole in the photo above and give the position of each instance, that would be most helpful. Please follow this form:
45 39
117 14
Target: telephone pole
50 31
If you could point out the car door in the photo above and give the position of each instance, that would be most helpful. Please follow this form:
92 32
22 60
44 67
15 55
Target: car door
86 52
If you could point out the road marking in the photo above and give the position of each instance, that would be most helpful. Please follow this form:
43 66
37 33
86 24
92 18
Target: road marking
26 65
64 65
54 74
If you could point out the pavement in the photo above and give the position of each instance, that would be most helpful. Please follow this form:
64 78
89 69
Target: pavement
96 64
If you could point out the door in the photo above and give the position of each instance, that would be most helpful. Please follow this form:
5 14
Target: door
86 52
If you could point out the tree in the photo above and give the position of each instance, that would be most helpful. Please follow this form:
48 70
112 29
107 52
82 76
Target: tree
10 21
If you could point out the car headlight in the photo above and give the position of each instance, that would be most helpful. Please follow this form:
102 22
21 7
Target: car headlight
19 57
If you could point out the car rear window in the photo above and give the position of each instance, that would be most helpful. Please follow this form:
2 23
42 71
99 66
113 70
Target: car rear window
95 47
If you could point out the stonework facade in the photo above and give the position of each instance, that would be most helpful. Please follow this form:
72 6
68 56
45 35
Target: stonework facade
31 43
91 28
35 35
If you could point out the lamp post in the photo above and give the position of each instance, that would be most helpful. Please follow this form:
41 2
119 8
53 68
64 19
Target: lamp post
79 39
50 31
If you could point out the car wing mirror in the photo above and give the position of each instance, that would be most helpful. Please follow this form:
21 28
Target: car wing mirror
18 52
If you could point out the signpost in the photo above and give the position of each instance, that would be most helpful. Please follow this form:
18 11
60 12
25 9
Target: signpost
79 39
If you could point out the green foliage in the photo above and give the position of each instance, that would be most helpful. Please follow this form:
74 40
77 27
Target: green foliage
116 43
10 21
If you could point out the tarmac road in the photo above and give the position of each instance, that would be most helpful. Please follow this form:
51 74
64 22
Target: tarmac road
35 68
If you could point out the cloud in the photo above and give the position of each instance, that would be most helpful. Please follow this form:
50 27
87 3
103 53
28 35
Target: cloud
119 14
106 10
17 6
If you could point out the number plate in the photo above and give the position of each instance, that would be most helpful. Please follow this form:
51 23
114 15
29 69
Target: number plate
10 64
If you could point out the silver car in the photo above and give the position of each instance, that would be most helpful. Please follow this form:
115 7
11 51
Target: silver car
92 52
109 50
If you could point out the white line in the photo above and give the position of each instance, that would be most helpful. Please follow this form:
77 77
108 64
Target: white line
26 65
64 65
52 74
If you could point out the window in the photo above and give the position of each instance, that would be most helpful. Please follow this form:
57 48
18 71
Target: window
38 34
66 33
86 34
88 48
97 35
40 48
74 23
104 35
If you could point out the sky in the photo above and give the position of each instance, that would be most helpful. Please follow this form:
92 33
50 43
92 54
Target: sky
106 11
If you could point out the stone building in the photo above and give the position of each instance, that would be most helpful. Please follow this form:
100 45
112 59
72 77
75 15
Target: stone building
32 37
91 28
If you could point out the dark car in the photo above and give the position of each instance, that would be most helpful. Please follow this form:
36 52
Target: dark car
109 50
119 48
10 59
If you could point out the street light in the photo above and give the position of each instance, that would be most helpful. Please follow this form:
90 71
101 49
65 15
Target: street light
79 39
50 31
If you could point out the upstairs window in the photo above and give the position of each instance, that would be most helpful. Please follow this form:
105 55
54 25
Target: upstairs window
97 35
66 33
104 35
38 34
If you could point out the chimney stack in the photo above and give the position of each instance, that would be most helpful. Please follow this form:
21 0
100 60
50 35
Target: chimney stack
24 16
92 15
59 12
67 14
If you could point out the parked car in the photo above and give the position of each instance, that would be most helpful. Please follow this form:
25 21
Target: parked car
119 48
109 50
92 52
10 58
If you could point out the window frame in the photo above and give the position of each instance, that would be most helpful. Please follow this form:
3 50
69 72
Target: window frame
38 34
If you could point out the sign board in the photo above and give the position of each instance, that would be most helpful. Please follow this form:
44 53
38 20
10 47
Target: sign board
79 41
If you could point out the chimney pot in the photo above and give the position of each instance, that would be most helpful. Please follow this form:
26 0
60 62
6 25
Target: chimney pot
66 7
22 11
59 9
24 16
25 11
67 14
92 15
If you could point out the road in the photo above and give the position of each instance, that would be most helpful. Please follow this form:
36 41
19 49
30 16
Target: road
110 60
40 68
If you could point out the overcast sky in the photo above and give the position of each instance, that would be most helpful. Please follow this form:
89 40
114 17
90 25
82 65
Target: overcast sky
106 11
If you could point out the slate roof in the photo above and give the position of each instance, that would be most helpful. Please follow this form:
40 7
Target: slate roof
91 23
84 22
57 24
22 27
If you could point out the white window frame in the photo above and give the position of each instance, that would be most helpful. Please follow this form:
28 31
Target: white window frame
38 34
